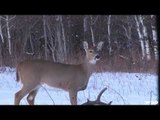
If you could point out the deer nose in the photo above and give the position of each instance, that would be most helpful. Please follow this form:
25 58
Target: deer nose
97 57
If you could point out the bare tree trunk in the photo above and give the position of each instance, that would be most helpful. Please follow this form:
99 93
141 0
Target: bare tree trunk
61 40
154 34
140 36
1 58
31 43
45 37
85 26
27 34
1 34
51 46
8 34
64 40
109 34
92 34
128 34
144 30
60 48
58 39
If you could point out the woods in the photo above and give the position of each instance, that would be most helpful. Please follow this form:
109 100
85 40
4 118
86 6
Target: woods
130 40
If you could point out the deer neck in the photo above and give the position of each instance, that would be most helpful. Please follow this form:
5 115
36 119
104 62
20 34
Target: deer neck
88 67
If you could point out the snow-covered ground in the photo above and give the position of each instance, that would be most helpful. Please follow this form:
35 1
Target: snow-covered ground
123 89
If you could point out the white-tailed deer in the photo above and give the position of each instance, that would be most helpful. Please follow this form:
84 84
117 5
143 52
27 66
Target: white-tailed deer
71 78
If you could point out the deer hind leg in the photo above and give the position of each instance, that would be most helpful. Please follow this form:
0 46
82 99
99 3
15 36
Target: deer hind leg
20 94
31 96
73 97
18 97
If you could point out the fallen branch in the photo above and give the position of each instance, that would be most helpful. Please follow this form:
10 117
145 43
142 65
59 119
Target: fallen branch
97 101
48 94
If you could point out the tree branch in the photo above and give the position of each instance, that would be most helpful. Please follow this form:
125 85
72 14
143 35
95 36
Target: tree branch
97 101
100 94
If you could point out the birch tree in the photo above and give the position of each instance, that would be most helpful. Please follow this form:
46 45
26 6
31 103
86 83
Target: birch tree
92 34
8 34
27 34
63 38
140 36
1 34
154 35
45 36
58 39
128 34
50 43
8 27
145 36
109 33
92 23
85 25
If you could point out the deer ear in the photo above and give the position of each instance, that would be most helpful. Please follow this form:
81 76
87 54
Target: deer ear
85 45
99 45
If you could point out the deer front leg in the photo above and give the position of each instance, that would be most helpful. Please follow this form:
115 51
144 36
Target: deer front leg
73 97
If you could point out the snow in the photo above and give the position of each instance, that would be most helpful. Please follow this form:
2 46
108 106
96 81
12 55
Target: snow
122 89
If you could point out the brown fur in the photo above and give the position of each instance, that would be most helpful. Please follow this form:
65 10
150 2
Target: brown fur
71 78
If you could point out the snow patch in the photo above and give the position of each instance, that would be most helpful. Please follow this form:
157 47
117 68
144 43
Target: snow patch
122 89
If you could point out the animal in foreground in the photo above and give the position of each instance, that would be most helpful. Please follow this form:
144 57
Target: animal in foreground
71 78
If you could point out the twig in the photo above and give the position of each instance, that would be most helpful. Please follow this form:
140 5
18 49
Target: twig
12 17
29 53
95 20
100 94
150 97
48 95
3 17
118 94
123 57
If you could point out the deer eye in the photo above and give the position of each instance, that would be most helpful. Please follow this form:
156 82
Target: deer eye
90 51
